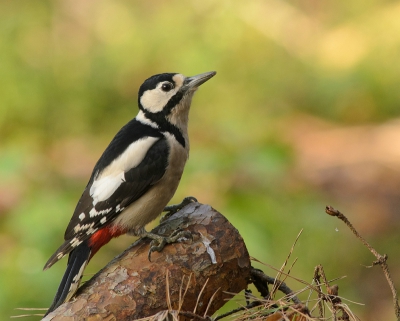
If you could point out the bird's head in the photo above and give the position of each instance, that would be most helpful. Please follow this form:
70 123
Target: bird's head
168 97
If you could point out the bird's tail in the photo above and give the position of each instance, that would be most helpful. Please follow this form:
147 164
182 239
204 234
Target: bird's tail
77 261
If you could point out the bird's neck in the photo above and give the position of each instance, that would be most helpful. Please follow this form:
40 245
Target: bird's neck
174 123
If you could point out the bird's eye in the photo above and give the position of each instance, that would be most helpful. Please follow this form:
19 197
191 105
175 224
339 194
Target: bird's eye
167 86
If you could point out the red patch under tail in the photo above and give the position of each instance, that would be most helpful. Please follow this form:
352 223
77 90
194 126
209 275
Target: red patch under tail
103 236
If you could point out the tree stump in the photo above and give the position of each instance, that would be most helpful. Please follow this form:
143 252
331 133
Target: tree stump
197 275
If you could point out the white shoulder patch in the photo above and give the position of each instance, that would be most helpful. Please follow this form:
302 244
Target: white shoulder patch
114 174
104 187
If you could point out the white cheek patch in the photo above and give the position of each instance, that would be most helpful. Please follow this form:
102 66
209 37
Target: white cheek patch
114 175
154 100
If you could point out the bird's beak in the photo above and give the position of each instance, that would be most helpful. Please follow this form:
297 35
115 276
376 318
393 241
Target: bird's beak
195 81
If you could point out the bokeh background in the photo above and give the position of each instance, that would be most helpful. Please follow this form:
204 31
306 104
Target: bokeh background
304 112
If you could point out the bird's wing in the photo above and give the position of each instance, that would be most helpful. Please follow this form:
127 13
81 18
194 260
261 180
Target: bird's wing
123 181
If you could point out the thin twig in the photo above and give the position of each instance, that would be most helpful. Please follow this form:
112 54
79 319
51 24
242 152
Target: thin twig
381 259
247 307
331 296
29 315
320 293
277 279
167 291
194 316
210 301
259 275
198 297
26 315
182 297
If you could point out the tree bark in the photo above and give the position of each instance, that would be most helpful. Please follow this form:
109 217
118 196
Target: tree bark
210 268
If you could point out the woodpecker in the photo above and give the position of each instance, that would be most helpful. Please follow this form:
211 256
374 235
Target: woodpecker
134 179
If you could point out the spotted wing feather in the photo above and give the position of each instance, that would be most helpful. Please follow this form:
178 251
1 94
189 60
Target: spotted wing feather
88 218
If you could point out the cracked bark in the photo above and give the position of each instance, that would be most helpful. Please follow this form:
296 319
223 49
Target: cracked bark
130 287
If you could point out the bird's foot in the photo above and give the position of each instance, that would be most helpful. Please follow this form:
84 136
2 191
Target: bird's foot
172 209
158 242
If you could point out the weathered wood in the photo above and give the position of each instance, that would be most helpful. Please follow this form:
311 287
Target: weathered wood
131 287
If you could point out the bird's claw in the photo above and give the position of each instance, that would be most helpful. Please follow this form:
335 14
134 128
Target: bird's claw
172 209
158 242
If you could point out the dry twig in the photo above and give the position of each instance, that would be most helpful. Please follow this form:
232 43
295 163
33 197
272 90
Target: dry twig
261 281
331 296
381 259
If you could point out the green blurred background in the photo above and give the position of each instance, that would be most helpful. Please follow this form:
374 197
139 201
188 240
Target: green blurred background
304 112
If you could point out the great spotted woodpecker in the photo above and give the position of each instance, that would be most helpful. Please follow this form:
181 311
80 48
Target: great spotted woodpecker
134 179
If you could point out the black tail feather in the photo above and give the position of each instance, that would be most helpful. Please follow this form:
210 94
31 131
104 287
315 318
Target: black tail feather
77 262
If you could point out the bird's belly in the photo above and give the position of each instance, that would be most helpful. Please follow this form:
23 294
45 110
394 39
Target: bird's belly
152 203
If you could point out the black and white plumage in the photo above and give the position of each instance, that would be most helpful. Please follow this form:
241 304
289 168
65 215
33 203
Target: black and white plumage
135 177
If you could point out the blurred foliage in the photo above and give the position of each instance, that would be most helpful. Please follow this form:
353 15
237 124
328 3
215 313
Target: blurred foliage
70 71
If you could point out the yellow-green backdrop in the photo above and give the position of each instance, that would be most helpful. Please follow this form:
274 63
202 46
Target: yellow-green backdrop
302 113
